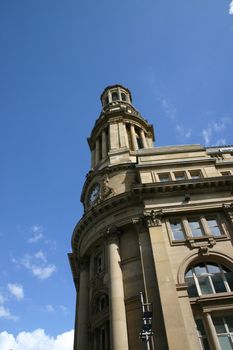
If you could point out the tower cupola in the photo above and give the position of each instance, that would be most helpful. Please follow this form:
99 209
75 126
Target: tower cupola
120 131
115 94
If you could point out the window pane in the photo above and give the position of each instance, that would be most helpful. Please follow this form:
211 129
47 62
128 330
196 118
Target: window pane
177 231
180 176
202 335
200 327
213 268
219 325
205 285
195 228
225 342
192 289
229 277
218 283
229 321
164 177
213 227
200 270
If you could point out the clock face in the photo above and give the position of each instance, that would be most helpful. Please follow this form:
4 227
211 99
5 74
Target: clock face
94 194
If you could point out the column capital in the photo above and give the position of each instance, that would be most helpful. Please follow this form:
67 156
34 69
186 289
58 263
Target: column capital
154 218
112 235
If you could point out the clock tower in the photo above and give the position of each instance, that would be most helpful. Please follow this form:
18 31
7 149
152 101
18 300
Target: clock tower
152 257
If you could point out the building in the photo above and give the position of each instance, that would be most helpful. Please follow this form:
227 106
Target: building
157 220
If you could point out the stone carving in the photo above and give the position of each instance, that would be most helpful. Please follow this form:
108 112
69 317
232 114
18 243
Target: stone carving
111 234
154 218
107 191
204 251
228 208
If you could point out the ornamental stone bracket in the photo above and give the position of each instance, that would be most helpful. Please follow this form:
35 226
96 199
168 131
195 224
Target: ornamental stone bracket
202 244
154 218
228 208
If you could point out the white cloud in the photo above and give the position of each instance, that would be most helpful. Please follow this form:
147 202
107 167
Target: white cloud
182 132
231 8
37 264
36 340
168 108
41 256
16 290
5 313
209 133
37 234
49 308
64 309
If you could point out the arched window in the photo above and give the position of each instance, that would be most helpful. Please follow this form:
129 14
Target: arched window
208 278
123 96
101 303
115 96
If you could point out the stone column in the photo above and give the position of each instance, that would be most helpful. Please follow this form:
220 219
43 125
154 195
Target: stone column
118 326
83 302
174 322
97 152
133 137
109 96
114 136
142 135
104 144
122 135
214 343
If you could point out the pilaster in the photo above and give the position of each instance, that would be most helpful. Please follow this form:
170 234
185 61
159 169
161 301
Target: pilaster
173 318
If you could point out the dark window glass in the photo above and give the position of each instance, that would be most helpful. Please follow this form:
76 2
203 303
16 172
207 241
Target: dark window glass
114 96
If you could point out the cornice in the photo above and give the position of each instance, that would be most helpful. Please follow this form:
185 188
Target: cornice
219 182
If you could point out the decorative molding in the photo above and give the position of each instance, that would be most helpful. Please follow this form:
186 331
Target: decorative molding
112 235
228 208
202 243
83 263
107 191
154 218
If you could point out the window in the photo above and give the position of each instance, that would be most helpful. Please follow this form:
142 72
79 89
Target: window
164 177
123 96
213 226
101 303
202 335
114 96
225 173
180 175
196 227
177 230
107 100
224 330
208 278
99 263
195 174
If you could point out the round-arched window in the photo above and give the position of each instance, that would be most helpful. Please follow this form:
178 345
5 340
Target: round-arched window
123 96
208 278
115 96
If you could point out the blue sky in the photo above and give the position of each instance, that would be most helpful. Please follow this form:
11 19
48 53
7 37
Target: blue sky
56 57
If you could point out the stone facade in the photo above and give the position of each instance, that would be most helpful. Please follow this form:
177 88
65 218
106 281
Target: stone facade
157 220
